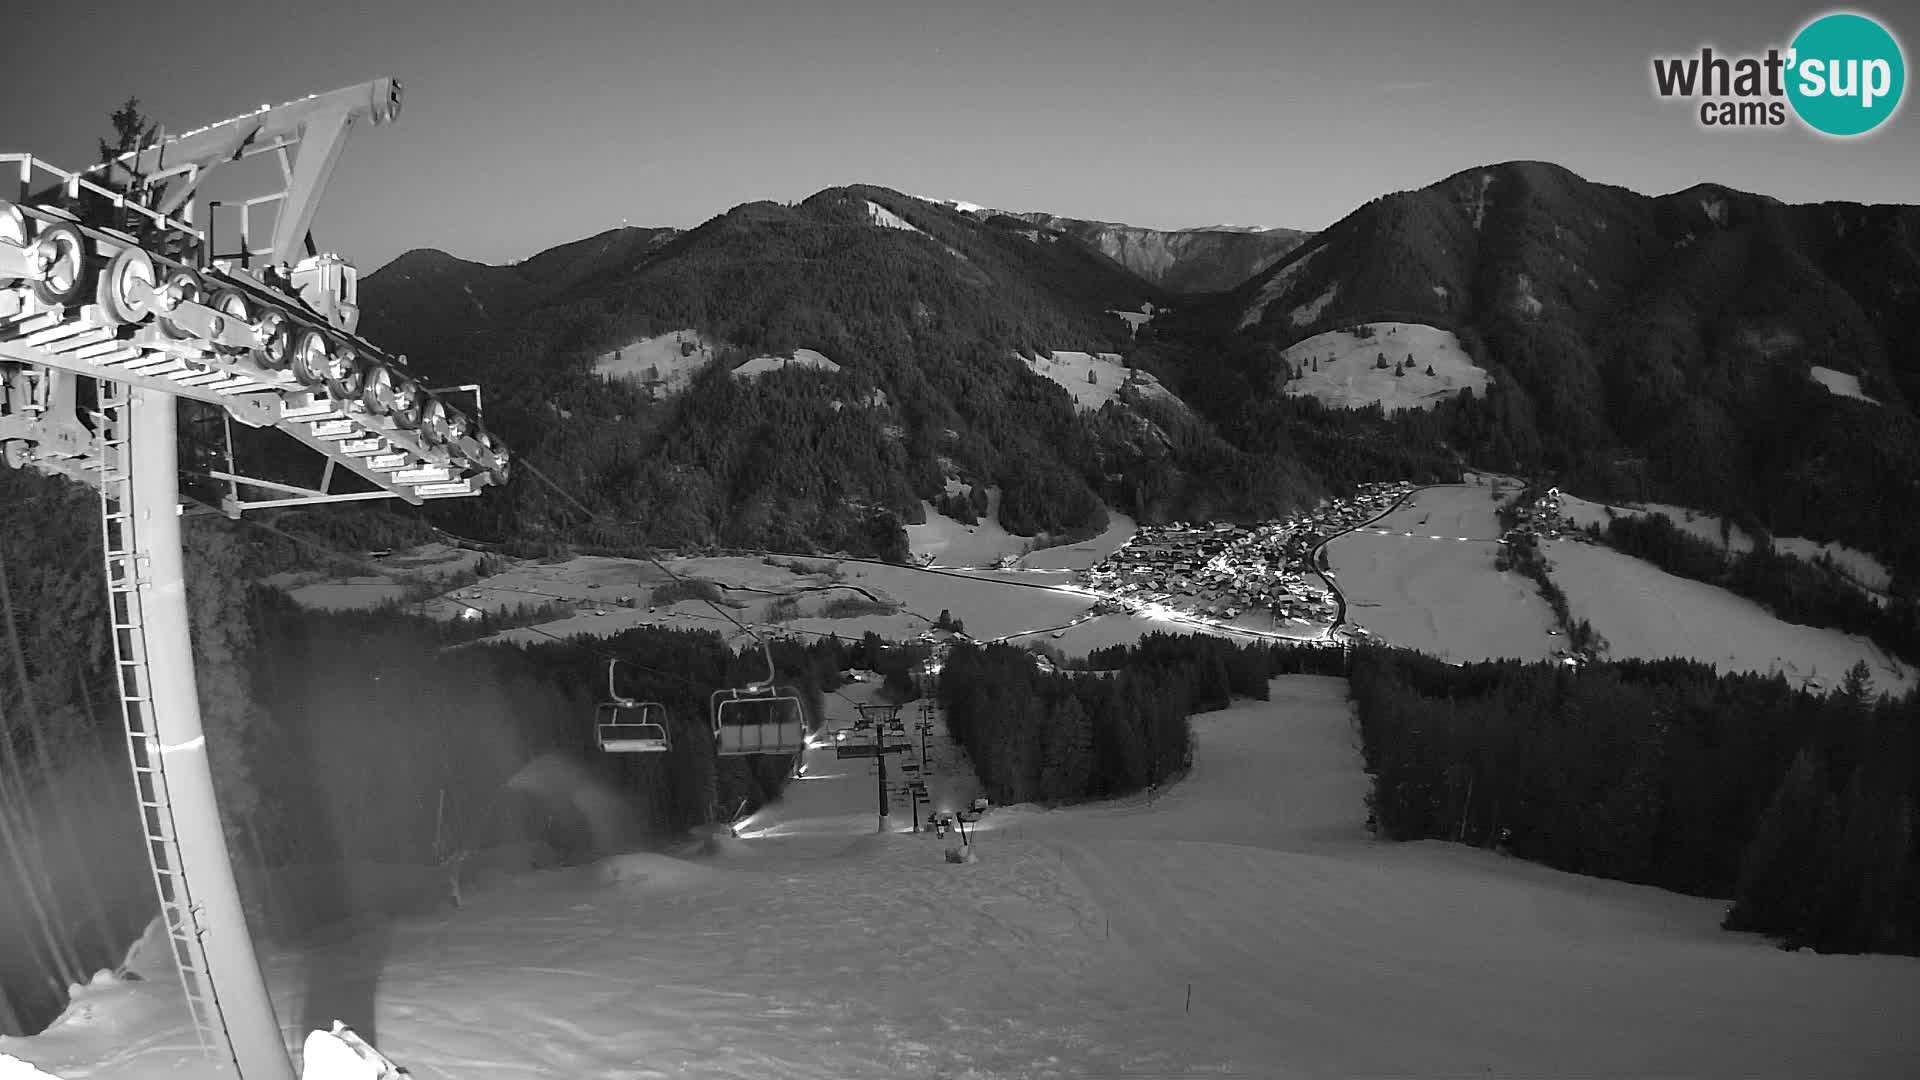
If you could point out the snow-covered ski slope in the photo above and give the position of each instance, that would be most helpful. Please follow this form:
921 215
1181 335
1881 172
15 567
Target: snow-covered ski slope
816 948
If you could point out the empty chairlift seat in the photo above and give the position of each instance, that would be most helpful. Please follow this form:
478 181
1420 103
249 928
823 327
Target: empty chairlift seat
626 726
632 727
758 720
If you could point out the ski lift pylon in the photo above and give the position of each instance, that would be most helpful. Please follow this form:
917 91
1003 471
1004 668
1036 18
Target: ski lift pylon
623 725
759 718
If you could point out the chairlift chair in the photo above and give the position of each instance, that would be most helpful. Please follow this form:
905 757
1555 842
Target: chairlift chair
626 726
759 718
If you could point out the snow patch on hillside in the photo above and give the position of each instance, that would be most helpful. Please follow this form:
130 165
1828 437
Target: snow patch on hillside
1716 210
1348 377
1479 203
761 365
1523 299
1276 287
1136 319
958 205
1311 310
1107 372
673 359
1841 384
887 219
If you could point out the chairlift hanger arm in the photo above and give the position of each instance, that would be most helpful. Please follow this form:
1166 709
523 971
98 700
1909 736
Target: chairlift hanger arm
260 131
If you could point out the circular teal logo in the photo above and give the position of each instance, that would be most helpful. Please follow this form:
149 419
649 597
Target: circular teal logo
1847 74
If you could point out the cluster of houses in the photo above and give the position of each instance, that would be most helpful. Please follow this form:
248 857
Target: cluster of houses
1540 520
1225 571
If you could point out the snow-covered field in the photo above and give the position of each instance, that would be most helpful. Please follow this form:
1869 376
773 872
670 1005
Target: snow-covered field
673 358
807 358
1071 370
1348 377
1087 552
1645 612
1863 569
1841 383
1242 923
949 543
952 543
325 592
1412 580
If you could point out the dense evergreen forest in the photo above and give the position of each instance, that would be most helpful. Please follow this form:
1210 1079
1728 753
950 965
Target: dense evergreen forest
1119 726
1799 808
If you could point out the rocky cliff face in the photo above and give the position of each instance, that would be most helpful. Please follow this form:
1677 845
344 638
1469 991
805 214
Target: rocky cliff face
1207 259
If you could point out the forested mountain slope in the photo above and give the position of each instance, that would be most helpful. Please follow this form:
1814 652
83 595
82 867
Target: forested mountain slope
1643 347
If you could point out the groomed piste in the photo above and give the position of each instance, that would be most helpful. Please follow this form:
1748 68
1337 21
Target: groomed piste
816 947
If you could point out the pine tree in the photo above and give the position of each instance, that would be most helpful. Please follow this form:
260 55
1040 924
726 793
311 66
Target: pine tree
1779 887
1429 371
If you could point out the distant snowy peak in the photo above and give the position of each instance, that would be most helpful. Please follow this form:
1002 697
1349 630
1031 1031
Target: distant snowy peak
958 205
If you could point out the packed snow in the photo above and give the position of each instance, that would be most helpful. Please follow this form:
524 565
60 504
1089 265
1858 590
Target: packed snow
1423 577
1841 384
1349 378
671 359
1241 922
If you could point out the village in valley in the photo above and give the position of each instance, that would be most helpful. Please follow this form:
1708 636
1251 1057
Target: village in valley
1223 571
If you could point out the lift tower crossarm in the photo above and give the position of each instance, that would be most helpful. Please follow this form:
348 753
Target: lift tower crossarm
314 126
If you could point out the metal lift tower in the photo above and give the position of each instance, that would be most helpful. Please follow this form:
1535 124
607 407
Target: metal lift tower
105 279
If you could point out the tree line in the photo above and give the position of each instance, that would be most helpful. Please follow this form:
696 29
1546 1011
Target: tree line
1116 727
1795 589
1797 807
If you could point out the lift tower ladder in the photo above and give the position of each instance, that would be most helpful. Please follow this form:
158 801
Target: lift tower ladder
127 546
153 315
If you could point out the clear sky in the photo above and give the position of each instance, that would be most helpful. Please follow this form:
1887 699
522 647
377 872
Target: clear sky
529 123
